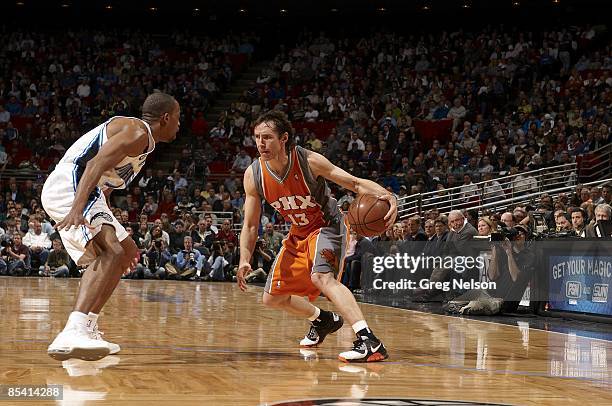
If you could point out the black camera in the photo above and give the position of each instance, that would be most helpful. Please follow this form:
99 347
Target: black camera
6 243
158 244
502 233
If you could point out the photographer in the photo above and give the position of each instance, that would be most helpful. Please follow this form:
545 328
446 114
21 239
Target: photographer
189 261
261 262
217 263
156 258
57 262
155 233
232 256
15 257
512 266
177 237
10 230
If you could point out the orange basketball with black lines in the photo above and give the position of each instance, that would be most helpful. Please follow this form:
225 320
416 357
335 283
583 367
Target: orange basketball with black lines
366 215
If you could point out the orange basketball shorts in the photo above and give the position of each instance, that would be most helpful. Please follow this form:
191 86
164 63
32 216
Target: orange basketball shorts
323 250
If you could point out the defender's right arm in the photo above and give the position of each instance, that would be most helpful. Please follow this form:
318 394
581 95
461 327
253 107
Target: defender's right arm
130 139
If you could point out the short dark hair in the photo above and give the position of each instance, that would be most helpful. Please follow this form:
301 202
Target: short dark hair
579 210
156 104
280 122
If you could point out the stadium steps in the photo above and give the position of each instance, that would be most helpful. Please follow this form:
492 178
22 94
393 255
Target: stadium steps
243 82
238 87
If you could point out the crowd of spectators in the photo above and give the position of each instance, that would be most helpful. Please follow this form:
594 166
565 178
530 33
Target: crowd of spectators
503 240
55 85
512 100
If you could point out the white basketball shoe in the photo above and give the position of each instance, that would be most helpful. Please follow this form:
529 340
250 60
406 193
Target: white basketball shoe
96 334
76 342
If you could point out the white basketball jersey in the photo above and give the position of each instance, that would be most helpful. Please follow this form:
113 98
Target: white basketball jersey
86 147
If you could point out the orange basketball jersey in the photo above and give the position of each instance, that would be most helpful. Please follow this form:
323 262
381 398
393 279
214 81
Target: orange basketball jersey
296 195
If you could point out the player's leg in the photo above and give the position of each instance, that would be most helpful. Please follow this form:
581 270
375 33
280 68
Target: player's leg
323 322
328 256
80 338
108 285
289 275
292 304
113 239
339 295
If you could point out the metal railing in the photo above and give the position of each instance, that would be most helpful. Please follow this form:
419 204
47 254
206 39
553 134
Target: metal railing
498 192
218 216
596 164
21 175
535 197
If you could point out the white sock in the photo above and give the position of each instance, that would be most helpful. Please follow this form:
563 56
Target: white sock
92 320
77 320
316 314
360 325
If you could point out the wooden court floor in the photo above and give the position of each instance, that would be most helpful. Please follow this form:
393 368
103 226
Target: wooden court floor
209 344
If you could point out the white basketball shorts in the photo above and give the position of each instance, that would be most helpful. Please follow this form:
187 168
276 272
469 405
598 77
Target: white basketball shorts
57 198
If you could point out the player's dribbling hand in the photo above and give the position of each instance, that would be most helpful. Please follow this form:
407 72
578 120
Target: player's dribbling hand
243 271
392 213
73 219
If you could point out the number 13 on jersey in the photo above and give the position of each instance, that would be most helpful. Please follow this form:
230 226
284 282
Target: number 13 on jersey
298 219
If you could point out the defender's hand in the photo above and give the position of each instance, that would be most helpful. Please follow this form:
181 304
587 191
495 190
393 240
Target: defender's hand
73 219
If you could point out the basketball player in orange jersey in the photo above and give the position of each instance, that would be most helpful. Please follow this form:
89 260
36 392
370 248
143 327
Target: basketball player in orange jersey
292 180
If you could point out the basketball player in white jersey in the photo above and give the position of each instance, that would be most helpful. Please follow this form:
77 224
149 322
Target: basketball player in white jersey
75 196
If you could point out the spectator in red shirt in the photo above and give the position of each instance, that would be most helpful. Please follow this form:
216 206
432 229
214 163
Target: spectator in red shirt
226 233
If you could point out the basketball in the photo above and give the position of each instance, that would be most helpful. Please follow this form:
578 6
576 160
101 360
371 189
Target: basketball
366 215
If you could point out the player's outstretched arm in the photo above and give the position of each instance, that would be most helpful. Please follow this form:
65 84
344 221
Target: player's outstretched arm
250 224
321 166
126 138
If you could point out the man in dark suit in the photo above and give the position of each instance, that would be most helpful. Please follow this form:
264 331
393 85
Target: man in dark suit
416 233
456 244
415 237
431 245
441 228
603 211
353 263
435 243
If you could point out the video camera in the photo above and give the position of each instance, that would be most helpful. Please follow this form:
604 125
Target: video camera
502 233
